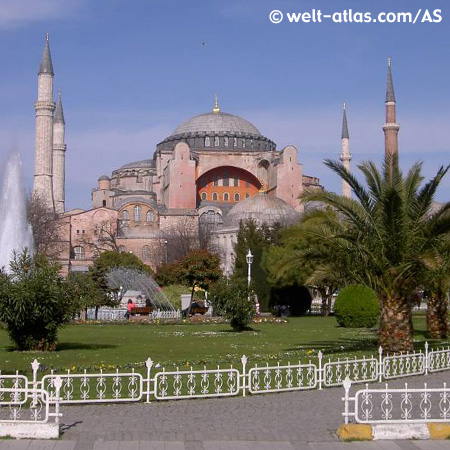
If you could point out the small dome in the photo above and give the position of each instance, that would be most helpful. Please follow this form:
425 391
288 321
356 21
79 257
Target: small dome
213 122
103 177
143 164
262 208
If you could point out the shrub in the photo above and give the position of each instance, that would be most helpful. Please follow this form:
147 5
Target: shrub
34 302
230 300
357 307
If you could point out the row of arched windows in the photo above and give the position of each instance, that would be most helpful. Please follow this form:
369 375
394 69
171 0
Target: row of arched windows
215 142
137 215
225 196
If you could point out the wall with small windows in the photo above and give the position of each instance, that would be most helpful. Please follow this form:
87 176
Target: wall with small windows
226 185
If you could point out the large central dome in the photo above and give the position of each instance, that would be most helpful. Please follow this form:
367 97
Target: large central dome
217 122
218 131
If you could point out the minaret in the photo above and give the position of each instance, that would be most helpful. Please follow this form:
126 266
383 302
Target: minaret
346 156
391 126
44 108
59 157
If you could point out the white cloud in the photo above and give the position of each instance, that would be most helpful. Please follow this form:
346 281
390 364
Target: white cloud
15 13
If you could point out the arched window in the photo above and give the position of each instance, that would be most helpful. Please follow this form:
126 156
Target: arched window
122 249
226 179
236 182
214 197
207 141
216 141
146 254
216 180
204 196
225 141
237 197
243 143
78 252
150 216
137 213
104 203
124 215
247 195
226 197
235 142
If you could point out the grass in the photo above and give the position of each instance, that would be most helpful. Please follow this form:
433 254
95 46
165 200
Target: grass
129 345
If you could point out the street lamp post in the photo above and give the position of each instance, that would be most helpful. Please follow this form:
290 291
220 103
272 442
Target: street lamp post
249 262
165 251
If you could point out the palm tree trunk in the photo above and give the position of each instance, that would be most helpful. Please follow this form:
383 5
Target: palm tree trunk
396 332
437 315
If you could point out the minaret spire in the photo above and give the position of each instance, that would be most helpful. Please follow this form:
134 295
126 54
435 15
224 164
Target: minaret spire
59 157
391 127
216 108
346 156
44 107
46 62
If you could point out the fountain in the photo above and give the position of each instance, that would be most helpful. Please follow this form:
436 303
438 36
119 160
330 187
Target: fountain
15 231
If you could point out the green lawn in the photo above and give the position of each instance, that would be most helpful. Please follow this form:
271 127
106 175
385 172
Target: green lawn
127 345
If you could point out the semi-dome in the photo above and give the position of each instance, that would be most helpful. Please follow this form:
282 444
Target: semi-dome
103 178
262 208
218 131
143 164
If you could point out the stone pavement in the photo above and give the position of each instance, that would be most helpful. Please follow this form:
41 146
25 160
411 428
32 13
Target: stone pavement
285 421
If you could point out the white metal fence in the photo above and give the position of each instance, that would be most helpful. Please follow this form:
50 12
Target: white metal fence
403 405
155 383
22 402
120 314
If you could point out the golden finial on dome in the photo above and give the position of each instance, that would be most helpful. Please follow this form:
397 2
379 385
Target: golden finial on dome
216 108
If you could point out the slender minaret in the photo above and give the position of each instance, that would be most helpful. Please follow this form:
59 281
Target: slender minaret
44 107
59 157
391 126
346 156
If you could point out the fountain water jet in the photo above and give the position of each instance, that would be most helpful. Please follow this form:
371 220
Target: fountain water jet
15 231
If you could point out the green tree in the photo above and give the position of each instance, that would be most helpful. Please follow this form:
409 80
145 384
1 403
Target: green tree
199 268
388 232
34 302
230 299
257 239
99 270
86 293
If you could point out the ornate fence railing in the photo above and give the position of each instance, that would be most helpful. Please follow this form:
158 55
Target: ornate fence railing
401 405
155 383
28 404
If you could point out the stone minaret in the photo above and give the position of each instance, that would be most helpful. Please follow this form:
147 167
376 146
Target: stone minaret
346 156
391 126
59 157
44 107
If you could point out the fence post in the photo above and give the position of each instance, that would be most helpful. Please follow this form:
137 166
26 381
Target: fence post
35 367
320 370
347 385
149 365
426 358
380 364
244 374
57 383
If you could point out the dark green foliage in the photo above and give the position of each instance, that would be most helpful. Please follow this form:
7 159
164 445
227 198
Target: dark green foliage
230 299
111 260
257 240
357 306
34 302
167 274
297 297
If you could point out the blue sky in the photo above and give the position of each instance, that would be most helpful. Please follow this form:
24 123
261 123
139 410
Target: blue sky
131 70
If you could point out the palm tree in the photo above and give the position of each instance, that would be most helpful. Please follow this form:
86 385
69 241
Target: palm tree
389 234
437 284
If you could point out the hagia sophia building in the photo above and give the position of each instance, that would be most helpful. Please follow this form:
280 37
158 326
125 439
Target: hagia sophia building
215 169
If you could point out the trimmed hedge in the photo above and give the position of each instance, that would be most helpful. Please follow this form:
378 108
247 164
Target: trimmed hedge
357 307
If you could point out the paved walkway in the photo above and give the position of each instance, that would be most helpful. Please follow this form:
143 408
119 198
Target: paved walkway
286 421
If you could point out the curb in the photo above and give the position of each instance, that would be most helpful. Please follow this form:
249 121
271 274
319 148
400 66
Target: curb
365 432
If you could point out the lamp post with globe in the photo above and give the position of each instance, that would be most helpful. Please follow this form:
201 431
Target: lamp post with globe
249 258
